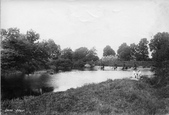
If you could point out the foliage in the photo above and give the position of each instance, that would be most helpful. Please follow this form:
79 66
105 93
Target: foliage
22 52
62 64
124 52
133 51
82 55
107 51
107 60
51 48
142 50
159 46
91 55
78 64
67 53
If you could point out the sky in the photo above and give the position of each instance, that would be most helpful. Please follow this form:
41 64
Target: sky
88 23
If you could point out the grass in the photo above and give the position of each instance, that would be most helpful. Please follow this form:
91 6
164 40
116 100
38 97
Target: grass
112 97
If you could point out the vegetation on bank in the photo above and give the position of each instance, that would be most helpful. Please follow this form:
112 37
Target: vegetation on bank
27 53
117 97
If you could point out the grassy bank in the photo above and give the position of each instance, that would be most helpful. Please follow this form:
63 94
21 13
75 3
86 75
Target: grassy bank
116 97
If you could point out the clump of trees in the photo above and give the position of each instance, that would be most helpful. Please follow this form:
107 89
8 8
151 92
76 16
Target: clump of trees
26 53
108 51
82 56
22 52
138 52
124 52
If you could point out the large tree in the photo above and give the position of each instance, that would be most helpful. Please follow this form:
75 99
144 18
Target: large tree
133 51
21 51
142 50
124 52
92 55
52 48
107 51
67 53
159 46
80 53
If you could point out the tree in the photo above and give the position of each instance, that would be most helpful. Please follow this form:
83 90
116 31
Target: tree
53 49
124 52
79 57
133 51
80 53
20 52
159 46
92 55
32 36
67 53
107 51
142 50
62 64
11 46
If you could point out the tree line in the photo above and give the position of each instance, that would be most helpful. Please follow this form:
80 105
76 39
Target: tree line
27 53
137 52
158 46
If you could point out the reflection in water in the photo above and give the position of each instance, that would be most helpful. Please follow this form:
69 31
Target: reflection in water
66 80
17 85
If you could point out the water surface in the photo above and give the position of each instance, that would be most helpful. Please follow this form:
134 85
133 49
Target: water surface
76 78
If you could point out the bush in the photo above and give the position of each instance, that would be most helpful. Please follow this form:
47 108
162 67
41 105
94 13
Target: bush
62 64
79 64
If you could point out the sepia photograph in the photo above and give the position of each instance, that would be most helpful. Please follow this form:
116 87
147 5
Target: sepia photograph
84 57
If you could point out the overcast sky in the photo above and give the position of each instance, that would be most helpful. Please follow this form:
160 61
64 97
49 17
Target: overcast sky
84 23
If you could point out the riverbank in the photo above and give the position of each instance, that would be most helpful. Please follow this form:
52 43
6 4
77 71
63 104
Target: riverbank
117 97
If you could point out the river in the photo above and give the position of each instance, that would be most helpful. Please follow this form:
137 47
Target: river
76 78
